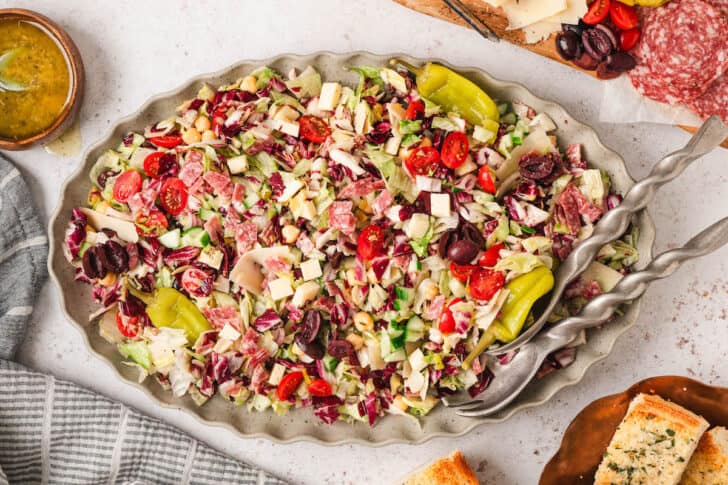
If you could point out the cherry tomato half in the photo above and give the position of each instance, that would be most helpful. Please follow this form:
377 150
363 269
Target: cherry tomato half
167 141
623 16
423 161
484 283
629 38
447 322
127 184
486 179
289 384
154 224
128 326
462 272
415 110
370 242
455 149
313 129
491 256
173 196
153 162
319 388
598 11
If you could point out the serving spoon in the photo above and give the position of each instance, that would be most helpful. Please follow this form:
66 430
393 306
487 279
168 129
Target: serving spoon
510 379
6 84
615 222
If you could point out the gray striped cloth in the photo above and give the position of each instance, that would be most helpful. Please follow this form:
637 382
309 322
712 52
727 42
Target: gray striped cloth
53 431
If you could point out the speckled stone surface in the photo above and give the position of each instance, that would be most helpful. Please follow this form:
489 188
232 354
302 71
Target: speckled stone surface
133 49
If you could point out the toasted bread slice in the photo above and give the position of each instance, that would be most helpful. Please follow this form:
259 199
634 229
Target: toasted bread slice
451 470
652 444
709 464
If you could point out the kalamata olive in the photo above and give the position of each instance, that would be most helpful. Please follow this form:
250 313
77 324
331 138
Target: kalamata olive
610 34
585 61
462 252
340 348
567 44
313 349
104 176
470 232
621 62
310 326
597 43
117 257
447 238
535 166
94 262
604 71
571 28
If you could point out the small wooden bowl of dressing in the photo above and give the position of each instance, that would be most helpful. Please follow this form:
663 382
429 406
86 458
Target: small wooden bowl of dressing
41 79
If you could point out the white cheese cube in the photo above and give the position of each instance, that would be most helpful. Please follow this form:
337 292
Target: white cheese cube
428 184
311 269
211 256
276 374
238 164
288 127
330 95
440 205
286 113
361 118
305 293
280 288
418 225
466 167
228 332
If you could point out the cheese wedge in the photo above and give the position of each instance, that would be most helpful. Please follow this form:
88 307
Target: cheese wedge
709 463
652 444
450 470
522 13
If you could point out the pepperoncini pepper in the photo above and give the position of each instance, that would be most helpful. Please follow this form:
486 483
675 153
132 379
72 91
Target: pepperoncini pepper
170 308
454 92
524 292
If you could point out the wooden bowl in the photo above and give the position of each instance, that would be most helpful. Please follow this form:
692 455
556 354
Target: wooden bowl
587 437
75 64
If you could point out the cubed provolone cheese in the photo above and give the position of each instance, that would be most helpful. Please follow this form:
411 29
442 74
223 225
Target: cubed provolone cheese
280 288
311 269
330 95
440 205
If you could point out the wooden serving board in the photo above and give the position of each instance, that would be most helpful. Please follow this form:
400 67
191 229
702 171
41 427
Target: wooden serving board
496 20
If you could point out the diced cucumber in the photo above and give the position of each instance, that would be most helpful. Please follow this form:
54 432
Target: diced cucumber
195 236
505 144
330 363
207 214
508 119
170 239
415 329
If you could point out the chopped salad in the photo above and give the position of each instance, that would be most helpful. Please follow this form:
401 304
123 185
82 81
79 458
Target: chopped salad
287 242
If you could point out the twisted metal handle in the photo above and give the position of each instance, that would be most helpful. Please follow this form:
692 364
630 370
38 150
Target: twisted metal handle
633 285
615 222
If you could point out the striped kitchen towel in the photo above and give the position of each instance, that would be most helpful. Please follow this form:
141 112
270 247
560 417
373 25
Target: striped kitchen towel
53 431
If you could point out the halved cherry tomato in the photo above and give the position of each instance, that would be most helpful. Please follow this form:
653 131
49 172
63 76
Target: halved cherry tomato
455 149
623 16
319 388
153 224
127 184
370 242
173 196
462 272
447 322
484 283
313 129
151 164
289 384
485 179
167 141
128 326
491 256
629 38
415 110
598 11
423 161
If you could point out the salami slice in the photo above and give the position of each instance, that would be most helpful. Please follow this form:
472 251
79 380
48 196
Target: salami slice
682 51
721 5
714 101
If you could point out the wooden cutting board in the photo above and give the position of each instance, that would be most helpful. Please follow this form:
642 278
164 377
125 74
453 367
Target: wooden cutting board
495 19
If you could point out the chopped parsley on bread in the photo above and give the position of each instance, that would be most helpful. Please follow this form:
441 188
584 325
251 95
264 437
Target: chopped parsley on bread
709 463
450 470
652 444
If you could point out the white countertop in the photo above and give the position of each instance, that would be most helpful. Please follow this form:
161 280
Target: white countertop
134 49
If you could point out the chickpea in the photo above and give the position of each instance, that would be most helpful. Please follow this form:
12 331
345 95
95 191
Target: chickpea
202 123
290 233
355 340
363 322
108 280
249 84
191 136
208 135
400 404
